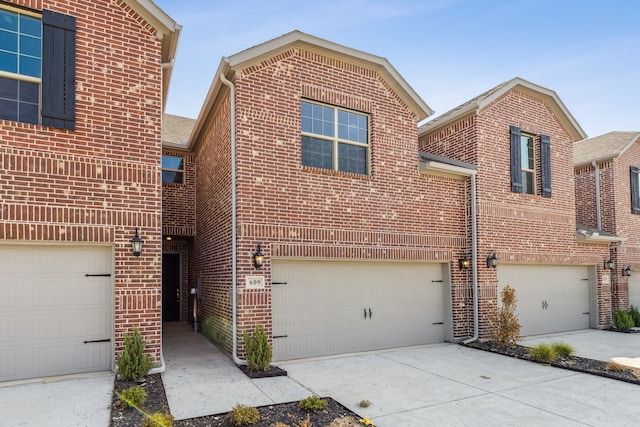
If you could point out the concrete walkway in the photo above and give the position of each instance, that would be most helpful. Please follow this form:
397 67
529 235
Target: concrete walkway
443 384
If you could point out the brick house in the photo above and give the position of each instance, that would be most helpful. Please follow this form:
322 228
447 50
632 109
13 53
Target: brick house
608 199
520 138
82 90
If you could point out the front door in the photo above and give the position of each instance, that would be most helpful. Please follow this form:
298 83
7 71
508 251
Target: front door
170 287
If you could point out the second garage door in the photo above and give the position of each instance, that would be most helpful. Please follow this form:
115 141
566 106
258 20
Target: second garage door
551 298
634 289
327 307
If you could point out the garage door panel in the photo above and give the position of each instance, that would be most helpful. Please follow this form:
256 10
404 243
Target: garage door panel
634 289
321 309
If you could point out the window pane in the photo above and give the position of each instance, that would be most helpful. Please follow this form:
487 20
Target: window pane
526 151
28 113
8 110
172 177
30 46
29 92
9 62
352 126
30 66
317 119
172 162
317 152
8 41
8 88
527 182
352 158
30 25
8 20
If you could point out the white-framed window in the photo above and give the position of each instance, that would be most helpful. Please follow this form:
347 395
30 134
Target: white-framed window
334 138
172 169
527 151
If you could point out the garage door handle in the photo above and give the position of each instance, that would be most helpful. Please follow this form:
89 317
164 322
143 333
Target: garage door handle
439 323
104 340
98 275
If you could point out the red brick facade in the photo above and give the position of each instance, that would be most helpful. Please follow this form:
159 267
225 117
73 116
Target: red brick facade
96 184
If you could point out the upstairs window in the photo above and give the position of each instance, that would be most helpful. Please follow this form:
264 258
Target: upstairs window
334 138
524 170
37 67
635 190
528 165
172 170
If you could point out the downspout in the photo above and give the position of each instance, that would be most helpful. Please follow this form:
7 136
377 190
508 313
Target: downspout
234 233
596 170
474 257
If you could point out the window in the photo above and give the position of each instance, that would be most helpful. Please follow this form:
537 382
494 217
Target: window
523 163
334 138
37 68
635 190
172 169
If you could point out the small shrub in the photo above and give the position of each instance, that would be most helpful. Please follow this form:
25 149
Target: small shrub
505 326
133 396
244 415
366 421
158 419
258 350
312 404
616 367
622 320
562 349
364 403
133 363
543 353
635 315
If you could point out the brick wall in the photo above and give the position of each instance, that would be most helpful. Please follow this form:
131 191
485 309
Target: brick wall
98 183
179 200
519 228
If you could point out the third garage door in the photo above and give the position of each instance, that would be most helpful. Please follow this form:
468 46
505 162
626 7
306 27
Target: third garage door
333 307
551 298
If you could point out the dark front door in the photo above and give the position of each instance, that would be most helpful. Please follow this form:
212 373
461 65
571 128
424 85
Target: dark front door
170 287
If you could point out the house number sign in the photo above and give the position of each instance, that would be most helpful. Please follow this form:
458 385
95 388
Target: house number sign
254 282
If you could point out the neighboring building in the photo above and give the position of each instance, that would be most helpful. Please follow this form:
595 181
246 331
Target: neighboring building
608 199
80 172
520 138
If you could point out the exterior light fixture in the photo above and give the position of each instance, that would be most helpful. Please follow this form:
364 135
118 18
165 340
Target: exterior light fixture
626 271
609 264
492 261
136 244
258 257
464 263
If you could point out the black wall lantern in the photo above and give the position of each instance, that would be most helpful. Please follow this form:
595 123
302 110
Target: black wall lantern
492 261
464 263
136 244
258 257
626 271
610 264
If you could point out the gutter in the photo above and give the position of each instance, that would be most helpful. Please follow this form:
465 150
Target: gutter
234 232
474 257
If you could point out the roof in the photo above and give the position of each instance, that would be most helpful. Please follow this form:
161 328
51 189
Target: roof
603 147
176 130
167 30
474 105
593 235
296 39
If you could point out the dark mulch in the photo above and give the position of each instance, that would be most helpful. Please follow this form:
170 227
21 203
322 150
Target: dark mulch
574 363
124 416
273 371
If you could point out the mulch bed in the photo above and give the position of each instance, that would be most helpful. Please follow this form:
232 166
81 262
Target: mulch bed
574 363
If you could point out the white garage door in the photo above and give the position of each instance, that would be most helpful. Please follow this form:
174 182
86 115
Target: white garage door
327 307
551 298
56 312
634 289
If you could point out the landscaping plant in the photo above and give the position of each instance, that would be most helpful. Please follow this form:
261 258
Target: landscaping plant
635 315
258 350
543 353
133 396
133 363
562 349
504 323
244 415
158 419
312 404
622 320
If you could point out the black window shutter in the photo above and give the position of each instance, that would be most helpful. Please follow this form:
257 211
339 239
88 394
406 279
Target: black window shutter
545 165
635 190
516 161
58 70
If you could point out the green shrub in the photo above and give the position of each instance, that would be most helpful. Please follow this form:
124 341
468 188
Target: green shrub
244 415
543 353
133 396
258 350
635 315
562 349
505 326
622 320
158 419
312 404
133 363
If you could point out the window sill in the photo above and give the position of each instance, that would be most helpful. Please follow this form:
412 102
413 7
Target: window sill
329 172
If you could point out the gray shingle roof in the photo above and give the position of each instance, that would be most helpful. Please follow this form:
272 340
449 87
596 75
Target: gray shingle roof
176 130
602 147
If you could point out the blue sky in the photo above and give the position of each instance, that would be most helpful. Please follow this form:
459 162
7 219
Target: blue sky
449 51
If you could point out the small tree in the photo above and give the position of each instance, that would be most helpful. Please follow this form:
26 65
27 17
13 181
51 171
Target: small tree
505 328
133 363
258 350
